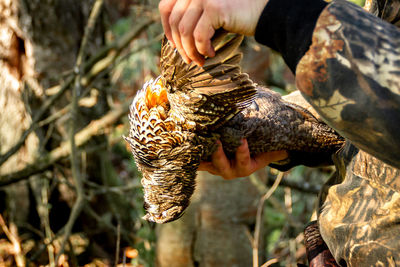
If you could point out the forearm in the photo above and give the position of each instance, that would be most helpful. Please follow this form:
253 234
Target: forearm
350 74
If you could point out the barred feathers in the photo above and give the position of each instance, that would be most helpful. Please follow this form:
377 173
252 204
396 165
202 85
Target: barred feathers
169 115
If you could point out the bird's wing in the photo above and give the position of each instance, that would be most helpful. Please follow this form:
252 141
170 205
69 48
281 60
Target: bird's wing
212 94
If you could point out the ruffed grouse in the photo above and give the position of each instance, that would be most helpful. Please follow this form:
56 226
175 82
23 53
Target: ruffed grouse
177 118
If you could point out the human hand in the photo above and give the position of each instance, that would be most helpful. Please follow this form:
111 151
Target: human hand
243 165
190 24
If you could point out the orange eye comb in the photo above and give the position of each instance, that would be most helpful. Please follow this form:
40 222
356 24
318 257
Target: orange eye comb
156 94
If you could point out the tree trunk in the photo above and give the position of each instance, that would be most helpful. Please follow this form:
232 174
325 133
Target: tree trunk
39 42
15 62
216 228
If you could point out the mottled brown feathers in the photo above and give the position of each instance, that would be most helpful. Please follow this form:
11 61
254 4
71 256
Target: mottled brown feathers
177 118
167 112
212 94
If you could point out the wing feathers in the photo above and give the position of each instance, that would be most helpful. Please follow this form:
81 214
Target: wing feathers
212 94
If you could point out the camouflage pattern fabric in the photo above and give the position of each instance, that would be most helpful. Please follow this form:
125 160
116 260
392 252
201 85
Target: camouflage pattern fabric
351 76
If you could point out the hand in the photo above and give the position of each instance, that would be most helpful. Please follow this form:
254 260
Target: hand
243 165
190 24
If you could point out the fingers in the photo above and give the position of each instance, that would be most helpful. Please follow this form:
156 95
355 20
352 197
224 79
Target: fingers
202 35
175 18
165 7
209 167
240 167
243 165
264 159
186 29
190 24
189 28
221 163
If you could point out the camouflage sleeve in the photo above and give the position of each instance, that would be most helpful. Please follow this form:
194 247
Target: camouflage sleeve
351 76
350 73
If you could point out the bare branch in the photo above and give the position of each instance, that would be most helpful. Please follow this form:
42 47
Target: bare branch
76 173
260 209
82 137
118 243
304 187
19 257
92 68
262 188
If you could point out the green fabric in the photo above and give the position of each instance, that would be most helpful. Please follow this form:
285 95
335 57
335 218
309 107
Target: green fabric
351 76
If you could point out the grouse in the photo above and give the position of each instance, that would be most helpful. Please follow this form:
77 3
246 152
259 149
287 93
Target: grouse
177 118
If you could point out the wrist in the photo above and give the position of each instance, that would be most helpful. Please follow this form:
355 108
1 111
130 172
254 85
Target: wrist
258 10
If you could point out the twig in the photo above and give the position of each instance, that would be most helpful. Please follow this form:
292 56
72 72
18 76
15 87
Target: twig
82 137
121 190
260 207
104 222
42 247
45 212
117 46
47 104
61 112
270 262
71 254
80 197
113 52
40 187
261 187
19 257
288 199
118 244
304 187
28 227
92 68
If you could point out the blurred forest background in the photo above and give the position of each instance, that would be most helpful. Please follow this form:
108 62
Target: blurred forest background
70 193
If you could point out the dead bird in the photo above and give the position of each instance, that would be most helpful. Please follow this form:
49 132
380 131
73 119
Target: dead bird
177 118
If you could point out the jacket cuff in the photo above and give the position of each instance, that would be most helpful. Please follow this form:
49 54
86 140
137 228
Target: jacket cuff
287 26
309 159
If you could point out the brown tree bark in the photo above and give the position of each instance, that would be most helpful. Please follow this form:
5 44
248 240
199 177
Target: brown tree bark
216 228
16 64
39 42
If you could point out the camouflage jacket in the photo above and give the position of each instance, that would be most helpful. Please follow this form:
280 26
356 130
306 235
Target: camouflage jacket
347 65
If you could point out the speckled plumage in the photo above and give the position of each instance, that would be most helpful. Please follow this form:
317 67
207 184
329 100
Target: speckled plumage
177 118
